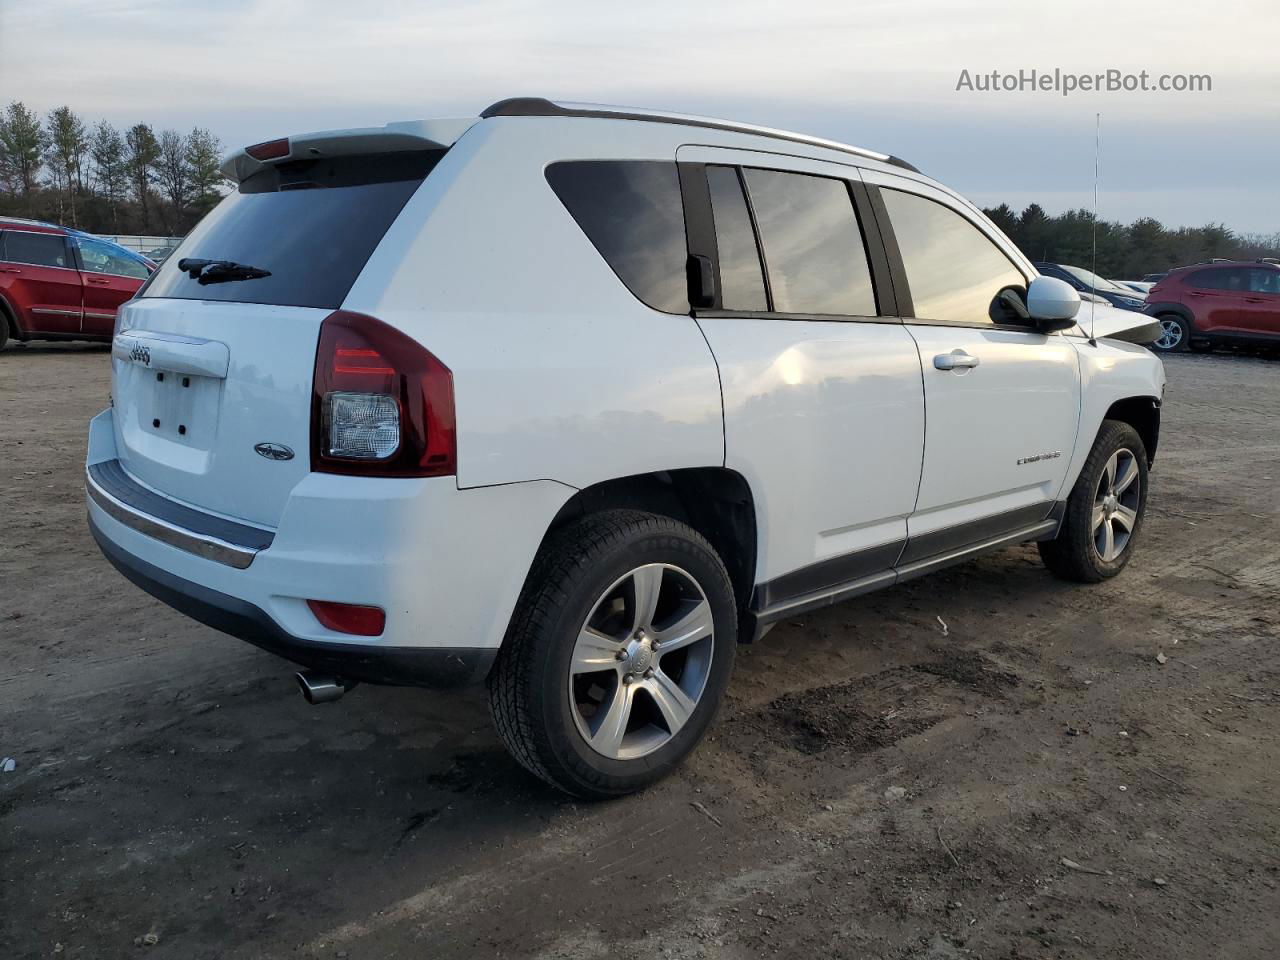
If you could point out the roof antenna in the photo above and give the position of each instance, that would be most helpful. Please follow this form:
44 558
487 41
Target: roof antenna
1093 267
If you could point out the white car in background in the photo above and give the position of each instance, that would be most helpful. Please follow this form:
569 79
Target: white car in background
573 399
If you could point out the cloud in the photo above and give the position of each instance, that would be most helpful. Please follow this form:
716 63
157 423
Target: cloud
878 73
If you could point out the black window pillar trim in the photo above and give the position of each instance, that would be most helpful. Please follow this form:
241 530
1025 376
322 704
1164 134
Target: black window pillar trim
699 228
904 306
882 279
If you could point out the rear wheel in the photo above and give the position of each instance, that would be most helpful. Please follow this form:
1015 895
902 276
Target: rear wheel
4 328
618 654
1175 333
1105 510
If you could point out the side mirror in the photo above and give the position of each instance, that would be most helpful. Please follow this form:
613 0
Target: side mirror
1052 304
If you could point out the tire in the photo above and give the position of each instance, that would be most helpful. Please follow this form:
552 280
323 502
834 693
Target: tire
556 690
4 328
1104 511
1175 333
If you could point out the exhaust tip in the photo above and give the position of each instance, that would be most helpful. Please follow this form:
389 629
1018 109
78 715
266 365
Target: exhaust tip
319 688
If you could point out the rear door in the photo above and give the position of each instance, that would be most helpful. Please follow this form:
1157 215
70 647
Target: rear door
1216 297
1002 401
1260 306
110 278
39 278
203 372
823 407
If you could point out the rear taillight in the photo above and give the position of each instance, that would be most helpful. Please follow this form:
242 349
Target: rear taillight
381 404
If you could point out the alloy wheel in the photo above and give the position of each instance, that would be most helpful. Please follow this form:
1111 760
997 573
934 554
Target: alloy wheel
1115 505
1170 334
641 661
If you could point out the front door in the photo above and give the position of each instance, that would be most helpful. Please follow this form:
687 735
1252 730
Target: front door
1001 400
40 281
110 278
823 406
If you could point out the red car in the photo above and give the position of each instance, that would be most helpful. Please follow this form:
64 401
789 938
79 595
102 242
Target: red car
60 284
1219 303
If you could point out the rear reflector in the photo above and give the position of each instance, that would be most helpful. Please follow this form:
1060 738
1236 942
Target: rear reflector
270 150
350 618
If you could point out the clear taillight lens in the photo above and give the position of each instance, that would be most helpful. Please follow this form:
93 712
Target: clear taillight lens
361 426
382 404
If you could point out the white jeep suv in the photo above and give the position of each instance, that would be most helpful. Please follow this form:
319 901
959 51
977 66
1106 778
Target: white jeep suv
572 399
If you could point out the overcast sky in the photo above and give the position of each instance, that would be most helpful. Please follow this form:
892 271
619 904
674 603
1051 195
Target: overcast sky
876 73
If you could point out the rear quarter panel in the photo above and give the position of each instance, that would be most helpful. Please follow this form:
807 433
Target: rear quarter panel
559 372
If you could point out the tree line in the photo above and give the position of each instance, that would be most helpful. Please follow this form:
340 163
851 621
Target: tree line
104 180
1125 252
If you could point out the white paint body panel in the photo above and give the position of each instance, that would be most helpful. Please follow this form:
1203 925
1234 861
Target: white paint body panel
563 380
1021 401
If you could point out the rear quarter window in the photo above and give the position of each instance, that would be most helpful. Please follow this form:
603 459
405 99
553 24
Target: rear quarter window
312 223
632 213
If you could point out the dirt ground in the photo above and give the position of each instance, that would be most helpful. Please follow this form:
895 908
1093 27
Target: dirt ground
1029 782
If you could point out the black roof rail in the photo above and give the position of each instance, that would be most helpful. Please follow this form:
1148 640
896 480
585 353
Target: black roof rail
541 107
1275 260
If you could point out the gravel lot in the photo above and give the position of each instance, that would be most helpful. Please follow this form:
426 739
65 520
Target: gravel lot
1030 782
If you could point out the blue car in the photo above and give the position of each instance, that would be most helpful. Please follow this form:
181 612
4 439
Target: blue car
1086 281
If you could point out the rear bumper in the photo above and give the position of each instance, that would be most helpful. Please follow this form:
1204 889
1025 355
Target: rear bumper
409 666
446 565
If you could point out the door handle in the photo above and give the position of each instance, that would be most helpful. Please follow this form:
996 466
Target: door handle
1254 300
1192 293
99 281
955 360
9 270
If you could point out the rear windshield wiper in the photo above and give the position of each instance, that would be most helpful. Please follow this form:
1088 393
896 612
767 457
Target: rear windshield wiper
219 271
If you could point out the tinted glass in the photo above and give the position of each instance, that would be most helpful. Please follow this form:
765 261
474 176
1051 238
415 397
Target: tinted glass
1231 280
41 249
631 210
98 257
1264 281
312 223
741 279
953 270
813 248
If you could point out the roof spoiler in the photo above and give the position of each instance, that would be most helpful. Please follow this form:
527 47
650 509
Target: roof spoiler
541 107
393 138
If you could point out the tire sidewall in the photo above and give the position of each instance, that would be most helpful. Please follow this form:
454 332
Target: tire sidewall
1114 436
556 651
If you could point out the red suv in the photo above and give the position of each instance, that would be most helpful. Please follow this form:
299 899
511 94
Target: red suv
1218 303
60 284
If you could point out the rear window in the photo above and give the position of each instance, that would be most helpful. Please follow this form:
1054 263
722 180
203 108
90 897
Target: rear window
632 212
312 223
40 249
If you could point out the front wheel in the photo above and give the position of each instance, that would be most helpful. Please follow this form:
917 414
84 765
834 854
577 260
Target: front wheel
1104 511
618 654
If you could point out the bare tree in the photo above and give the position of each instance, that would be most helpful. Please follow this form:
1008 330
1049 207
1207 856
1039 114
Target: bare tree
172 171
68 142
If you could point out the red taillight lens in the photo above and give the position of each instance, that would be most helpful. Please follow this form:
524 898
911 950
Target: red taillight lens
350 618
270 150
381 404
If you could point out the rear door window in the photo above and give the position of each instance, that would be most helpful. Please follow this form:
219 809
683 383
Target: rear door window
813 247
1264 281
632 212
954 270
1231 280
37 249
312 223
741 277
